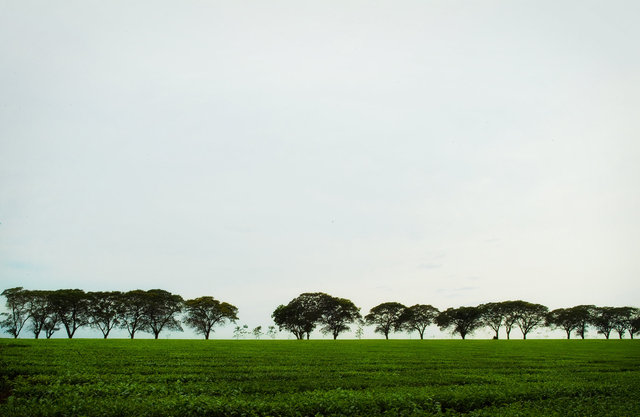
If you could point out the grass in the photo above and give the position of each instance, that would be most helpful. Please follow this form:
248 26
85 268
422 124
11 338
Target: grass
308 378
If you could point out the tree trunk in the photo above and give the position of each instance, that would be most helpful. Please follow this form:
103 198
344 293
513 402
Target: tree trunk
568 334
206 336
524 336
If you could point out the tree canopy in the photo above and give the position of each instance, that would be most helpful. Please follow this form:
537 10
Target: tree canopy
386 317
204 313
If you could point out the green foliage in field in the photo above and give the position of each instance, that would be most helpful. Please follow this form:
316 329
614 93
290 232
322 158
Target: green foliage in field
319 378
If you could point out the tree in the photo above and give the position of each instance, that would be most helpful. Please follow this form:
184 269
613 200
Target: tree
622 319
240 331
634 324
510 315
418 317
161 310
301 315
133 318
462 320
337 314
386 317
18 306
71 309
105 310
530 316
563 318
493 316
205 312
257 332
603 320
584 316
40 310
360 330
272 332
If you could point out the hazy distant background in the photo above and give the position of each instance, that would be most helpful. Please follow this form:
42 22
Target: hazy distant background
439 152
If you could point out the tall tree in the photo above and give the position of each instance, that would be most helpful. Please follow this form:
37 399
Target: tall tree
204 313
462 320
603 320
493 316
71 309
105 310
565 319
161 311
622 319
530 316
301 315
133 318
418 317
386 317
511 311
584 316
18 306
337 315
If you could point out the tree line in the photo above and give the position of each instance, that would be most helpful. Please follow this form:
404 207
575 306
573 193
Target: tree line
152 311
335 315
136 311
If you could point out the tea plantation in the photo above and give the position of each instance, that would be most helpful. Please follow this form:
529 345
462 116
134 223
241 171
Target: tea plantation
319 378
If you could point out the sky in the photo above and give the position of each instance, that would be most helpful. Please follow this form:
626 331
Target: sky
436 152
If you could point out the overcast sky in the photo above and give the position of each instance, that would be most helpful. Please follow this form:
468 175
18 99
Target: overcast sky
437 152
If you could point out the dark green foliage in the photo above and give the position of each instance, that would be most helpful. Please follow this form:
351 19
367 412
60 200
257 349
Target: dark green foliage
570 319
326 378
418 317
161 309
386 317
105 310
302 314
462 320
337 315
18 311
203 313
71 308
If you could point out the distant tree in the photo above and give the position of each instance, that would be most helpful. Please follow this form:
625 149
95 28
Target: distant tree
257 332
462 320
18 306
204 313
511 312
530 316
564 318
240 331
51 325
71 308
272 332
634 324
584 316
337 314
622 319
418 317
40 312
386 317
603 320
360 330
133 317
161 310
301 315
105 310
493 316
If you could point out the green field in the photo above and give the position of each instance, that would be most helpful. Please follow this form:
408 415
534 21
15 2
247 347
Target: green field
307 378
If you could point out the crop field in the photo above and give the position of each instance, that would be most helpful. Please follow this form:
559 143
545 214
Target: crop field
319 378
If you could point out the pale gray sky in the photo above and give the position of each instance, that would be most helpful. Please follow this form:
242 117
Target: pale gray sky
438 152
